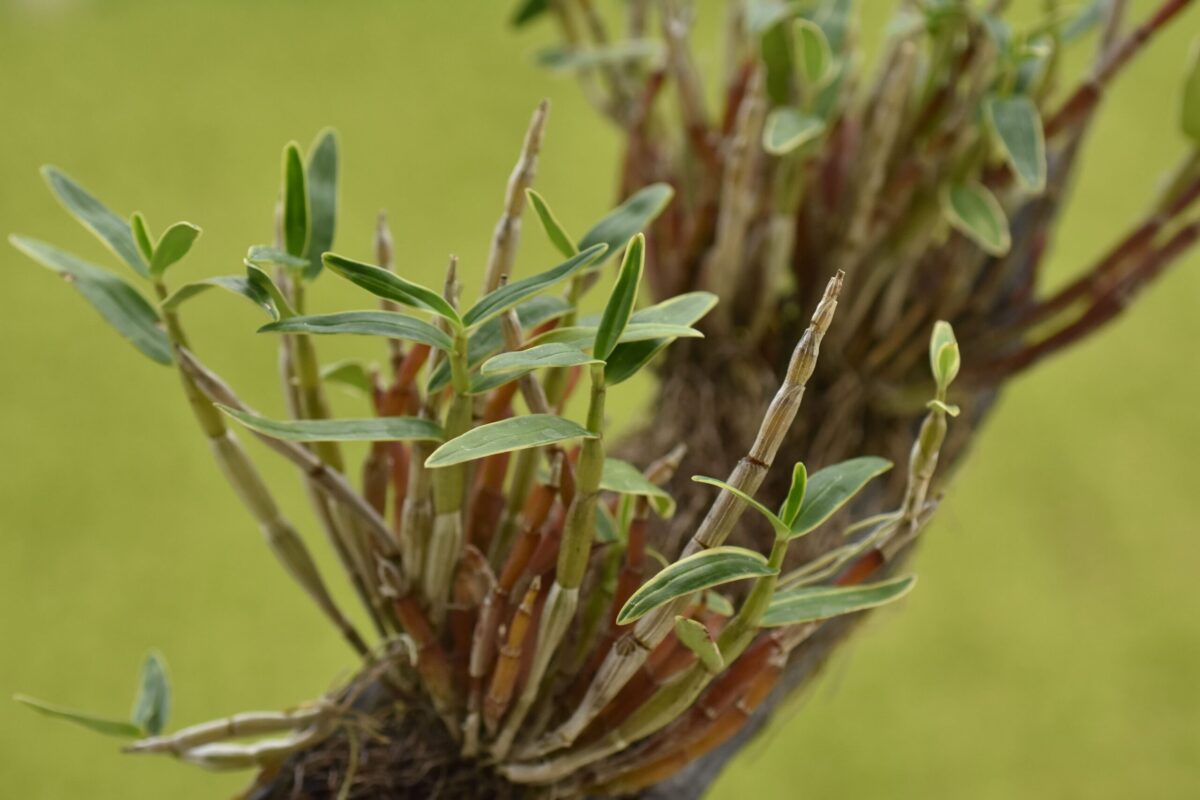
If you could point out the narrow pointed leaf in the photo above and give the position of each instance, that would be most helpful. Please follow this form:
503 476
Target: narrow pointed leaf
695 637
795 496
543 355
704 570
631 217
97 218
109 727
389 324
152 708
623 477
554 230
831 488
350 374
322 180
488 338
174 245
777 524
975 213
813 603
1018 127
120 304
507 296
371 429
507 435
684 309
141 235
789 128
245 287
622 299
264 255
259 277
295 202
390 286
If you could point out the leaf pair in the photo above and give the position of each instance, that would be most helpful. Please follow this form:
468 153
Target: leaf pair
310 202
615 229
811 501
151 707
390 286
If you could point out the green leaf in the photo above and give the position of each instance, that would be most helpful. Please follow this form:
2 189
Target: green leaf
1018 127
371 429
788 128
529 10
322 179
350 374
174 245
814 56
708 568
975 213
514 433
631 217
141 234
261 255
623 477
108 727
622 299
389 324
813 603
507 296
97 218
1190 115
543 355
554 230
775 47
295 202
777 524
390 286
944 359
584 336
795 496
246 287
695 637
629 357
152 708
262 280
488 338
718 603
684 309
831 488
118 302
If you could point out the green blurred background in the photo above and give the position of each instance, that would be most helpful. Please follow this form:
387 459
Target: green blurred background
1051 650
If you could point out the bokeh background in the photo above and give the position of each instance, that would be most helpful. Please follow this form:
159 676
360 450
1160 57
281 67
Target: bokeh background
1051 650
